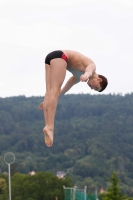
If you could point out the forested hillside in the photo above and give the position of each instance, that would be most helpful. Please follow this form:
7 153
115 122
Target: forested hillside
93 137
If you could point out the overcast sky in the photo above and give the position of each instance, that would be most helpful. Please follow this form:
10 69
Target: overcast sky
30 29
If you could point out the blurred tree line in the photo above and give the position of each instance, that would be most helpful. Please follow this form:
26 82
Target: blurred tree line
93 137
40 186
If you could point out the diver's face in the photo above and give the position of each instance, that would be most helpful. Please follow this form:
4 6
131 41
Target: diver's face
94 84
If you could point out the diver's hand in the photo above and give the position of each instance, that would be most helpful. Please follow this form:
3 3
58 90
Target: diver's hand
84 77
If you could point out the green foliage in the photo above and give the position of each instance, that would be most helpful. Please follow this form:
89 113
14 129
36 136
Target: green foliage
3 186
114 191
38 187
4 196
93 137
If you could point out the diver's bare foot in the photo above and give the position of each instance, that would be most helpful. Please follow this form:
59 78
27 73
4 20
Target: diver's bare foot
40 107
48 136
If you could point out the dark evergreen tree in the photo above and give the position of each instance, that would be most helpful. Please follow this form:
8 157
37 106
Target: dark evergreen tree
114 192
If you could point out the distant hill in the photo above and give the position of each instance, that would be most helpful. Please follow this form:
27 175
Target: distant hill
93 137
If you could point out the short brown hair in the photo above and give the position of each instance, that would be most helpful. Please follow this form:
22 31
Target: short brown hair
104 82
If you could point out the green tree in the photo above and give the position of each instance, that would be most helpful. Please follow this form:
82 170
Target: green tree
3 186
3 189
114 192
40 186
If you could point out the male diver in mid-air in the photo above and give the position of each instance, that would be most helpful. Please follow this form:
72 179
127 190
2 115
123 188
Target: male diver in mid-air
82 69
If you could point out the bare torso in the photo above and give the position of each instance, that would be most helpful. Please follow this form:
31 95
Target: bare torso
77 60
77 63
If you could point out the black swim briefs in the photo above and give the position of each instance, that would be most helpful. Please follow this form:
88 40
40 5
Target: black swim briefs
55 54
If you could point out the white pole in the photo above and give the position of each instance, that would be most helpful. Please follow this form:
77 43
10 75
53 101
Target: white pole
85 192
9 162
74 192
96 194
9 181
